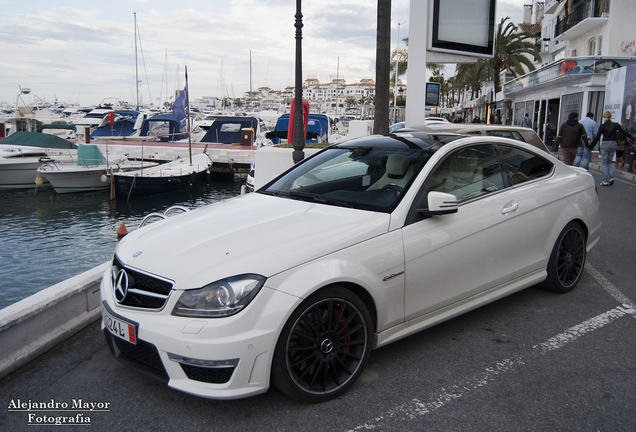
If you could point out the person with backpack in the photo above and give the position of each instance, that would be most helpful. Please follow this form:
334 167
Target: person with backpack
609 144
526 122
570 135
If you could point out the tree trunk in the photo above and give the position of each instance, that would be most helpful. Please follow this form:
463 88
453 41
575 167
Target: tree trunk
382 68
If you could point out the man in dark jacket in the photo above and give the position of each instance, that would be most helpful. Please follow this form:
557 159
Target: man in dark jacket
570 134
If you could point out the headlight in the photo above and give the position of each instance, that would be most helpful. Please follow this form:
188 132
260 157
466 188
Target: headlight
219 299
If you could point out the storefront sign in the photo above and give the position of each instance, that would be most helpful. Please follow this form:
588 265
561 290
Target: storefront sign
581 65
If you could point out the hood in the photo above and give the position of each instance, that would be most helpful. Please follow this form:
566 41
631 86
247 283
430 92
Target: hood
254 233
572 122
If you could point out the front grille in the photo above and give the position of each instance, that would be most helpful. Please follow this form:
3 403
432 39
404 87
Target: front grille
208 375
144 291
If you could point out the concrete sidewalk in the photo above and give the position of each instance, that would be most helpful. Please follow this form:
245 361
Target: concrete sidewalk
622 172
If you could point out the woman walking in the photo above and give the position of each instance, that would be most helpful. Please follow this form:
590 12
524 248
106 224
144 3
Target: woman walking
608 146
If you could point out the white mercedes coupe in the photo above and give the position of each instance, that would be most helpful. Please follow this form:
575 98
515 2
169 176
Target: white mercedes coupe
360 245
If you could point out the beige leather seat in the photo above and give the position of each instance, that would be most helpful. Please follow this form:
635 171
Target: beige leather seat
398 173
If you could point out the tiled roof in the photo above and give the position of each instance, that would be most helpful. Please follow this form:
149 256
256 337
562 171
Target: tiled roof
533 29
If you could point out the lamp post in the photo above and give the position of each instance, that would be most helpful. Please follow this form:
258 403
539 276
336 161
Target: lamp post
298 137
397 68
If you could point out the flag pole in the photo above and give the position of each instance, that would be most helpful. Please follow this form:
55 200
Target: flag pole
187 101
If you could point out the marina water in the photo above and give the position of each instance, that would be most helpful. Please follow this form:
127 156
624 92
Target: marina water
46 238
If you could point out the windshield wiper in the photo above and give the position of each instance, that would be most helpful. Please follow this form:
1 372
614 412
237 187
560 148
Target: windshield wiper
319 199
275 193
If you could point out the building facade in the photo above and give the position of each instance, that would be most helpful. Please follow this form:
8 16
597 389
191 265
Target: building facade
581 41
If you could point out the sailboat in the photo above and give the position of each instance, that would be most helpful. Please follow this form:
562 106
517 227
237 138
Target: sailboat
177 175
89 173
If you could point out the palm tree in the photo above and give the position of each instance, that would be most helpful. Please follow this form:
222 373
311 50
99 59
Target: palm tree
402 58
473 75
513 51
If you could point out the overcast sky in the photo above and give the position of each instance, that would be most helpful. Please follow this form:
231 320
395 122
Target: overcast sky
82 51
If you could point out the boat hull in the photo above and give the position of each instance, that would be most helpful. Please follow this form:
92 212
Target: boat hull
173 176
79 180
128 186
19 174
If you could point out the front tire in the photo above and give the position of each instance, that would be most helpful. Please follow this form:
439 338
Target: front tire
323 347
567 260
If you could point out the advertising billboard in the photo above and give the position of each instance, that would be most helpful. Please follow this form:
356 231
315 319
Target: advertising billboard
464 27
432 94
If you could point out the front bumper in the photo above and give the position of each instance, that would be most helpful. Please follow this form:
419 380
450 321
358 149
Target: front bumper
219 358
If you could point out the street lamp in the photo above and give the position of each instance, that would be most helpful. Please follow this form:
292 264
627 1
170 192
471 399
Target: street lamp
298 135
397 68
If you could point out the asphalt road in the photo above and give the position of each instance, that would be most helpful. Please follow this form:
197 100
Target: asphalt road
534 361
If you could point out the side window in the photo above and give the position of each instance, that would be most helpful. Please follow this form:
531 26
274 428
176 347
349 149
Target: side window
467 173
499 133
516 135
522 166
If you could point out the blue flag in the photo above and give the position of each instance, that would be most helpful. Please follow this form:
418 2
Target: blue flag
179 108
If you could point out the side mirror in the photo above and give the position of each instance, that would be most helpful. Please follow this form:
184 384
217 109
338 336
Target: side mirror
439 203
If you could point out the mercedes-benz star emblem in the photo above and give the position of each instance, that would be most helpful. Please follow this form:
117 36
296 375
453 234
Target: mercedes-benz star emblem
120 285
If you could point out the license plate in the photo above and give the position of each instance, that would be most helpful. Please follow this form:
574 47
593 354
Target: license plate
119 328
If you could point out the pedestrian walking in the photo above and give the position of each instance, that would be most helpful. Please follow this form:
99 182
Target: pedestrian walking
608 146
621 142
526 122
570 134
591 128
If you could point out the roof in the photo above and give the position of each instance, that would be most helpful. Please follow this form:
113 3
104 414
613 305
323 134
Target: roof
532 29
429 141
37 139
228 130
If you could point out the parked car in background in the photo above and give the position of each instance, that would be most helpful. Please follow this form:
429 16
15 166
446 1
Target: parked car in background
515 132
400 125
358 246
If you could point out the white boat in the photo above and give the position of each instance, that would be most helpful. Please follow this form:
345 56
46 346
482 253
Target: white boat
31 113
177 175
21 154
93 118
89 173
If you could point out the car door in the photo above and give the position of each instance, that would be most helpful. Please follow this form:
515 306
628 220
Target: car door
453 257
530 176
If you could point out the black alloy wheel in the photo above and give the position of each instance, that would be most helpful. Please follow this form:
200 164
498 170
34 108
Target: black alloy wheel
323 347
567 260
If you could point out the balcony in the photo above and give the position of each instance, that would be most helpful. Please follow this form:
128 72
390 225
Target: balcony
585 16
551 5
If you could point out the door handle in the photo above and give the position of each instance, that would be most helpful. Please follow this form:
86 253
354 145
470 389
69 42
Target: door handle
510 207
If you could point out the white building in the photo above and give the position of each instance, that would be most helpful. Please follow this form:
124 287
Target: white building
581 40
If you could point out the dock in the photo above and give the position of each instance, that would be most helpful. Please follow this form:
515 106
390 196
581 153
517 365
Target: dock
224 156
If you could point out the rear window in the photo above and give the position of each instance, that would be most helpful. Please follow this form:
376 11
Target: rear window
523 166
506 134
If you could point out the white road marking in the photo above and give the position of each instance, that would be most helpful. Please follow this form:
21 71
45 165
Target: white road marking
609 287
588 326
416 408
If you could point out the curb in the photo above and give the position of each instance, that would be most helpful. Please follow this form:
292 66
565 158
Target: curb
37 323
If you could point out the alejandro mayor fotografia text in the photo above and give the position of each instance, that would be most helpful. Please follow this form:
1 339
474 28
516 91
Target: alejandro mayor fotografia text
66 413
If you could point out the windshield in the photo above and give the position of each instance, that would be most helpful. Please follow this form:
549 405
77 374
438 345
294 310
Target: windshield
367 178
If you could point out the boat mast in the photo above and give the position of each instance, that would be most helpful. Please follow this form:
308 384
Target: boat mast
165 106
250 78
337 84
136 71
187 100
